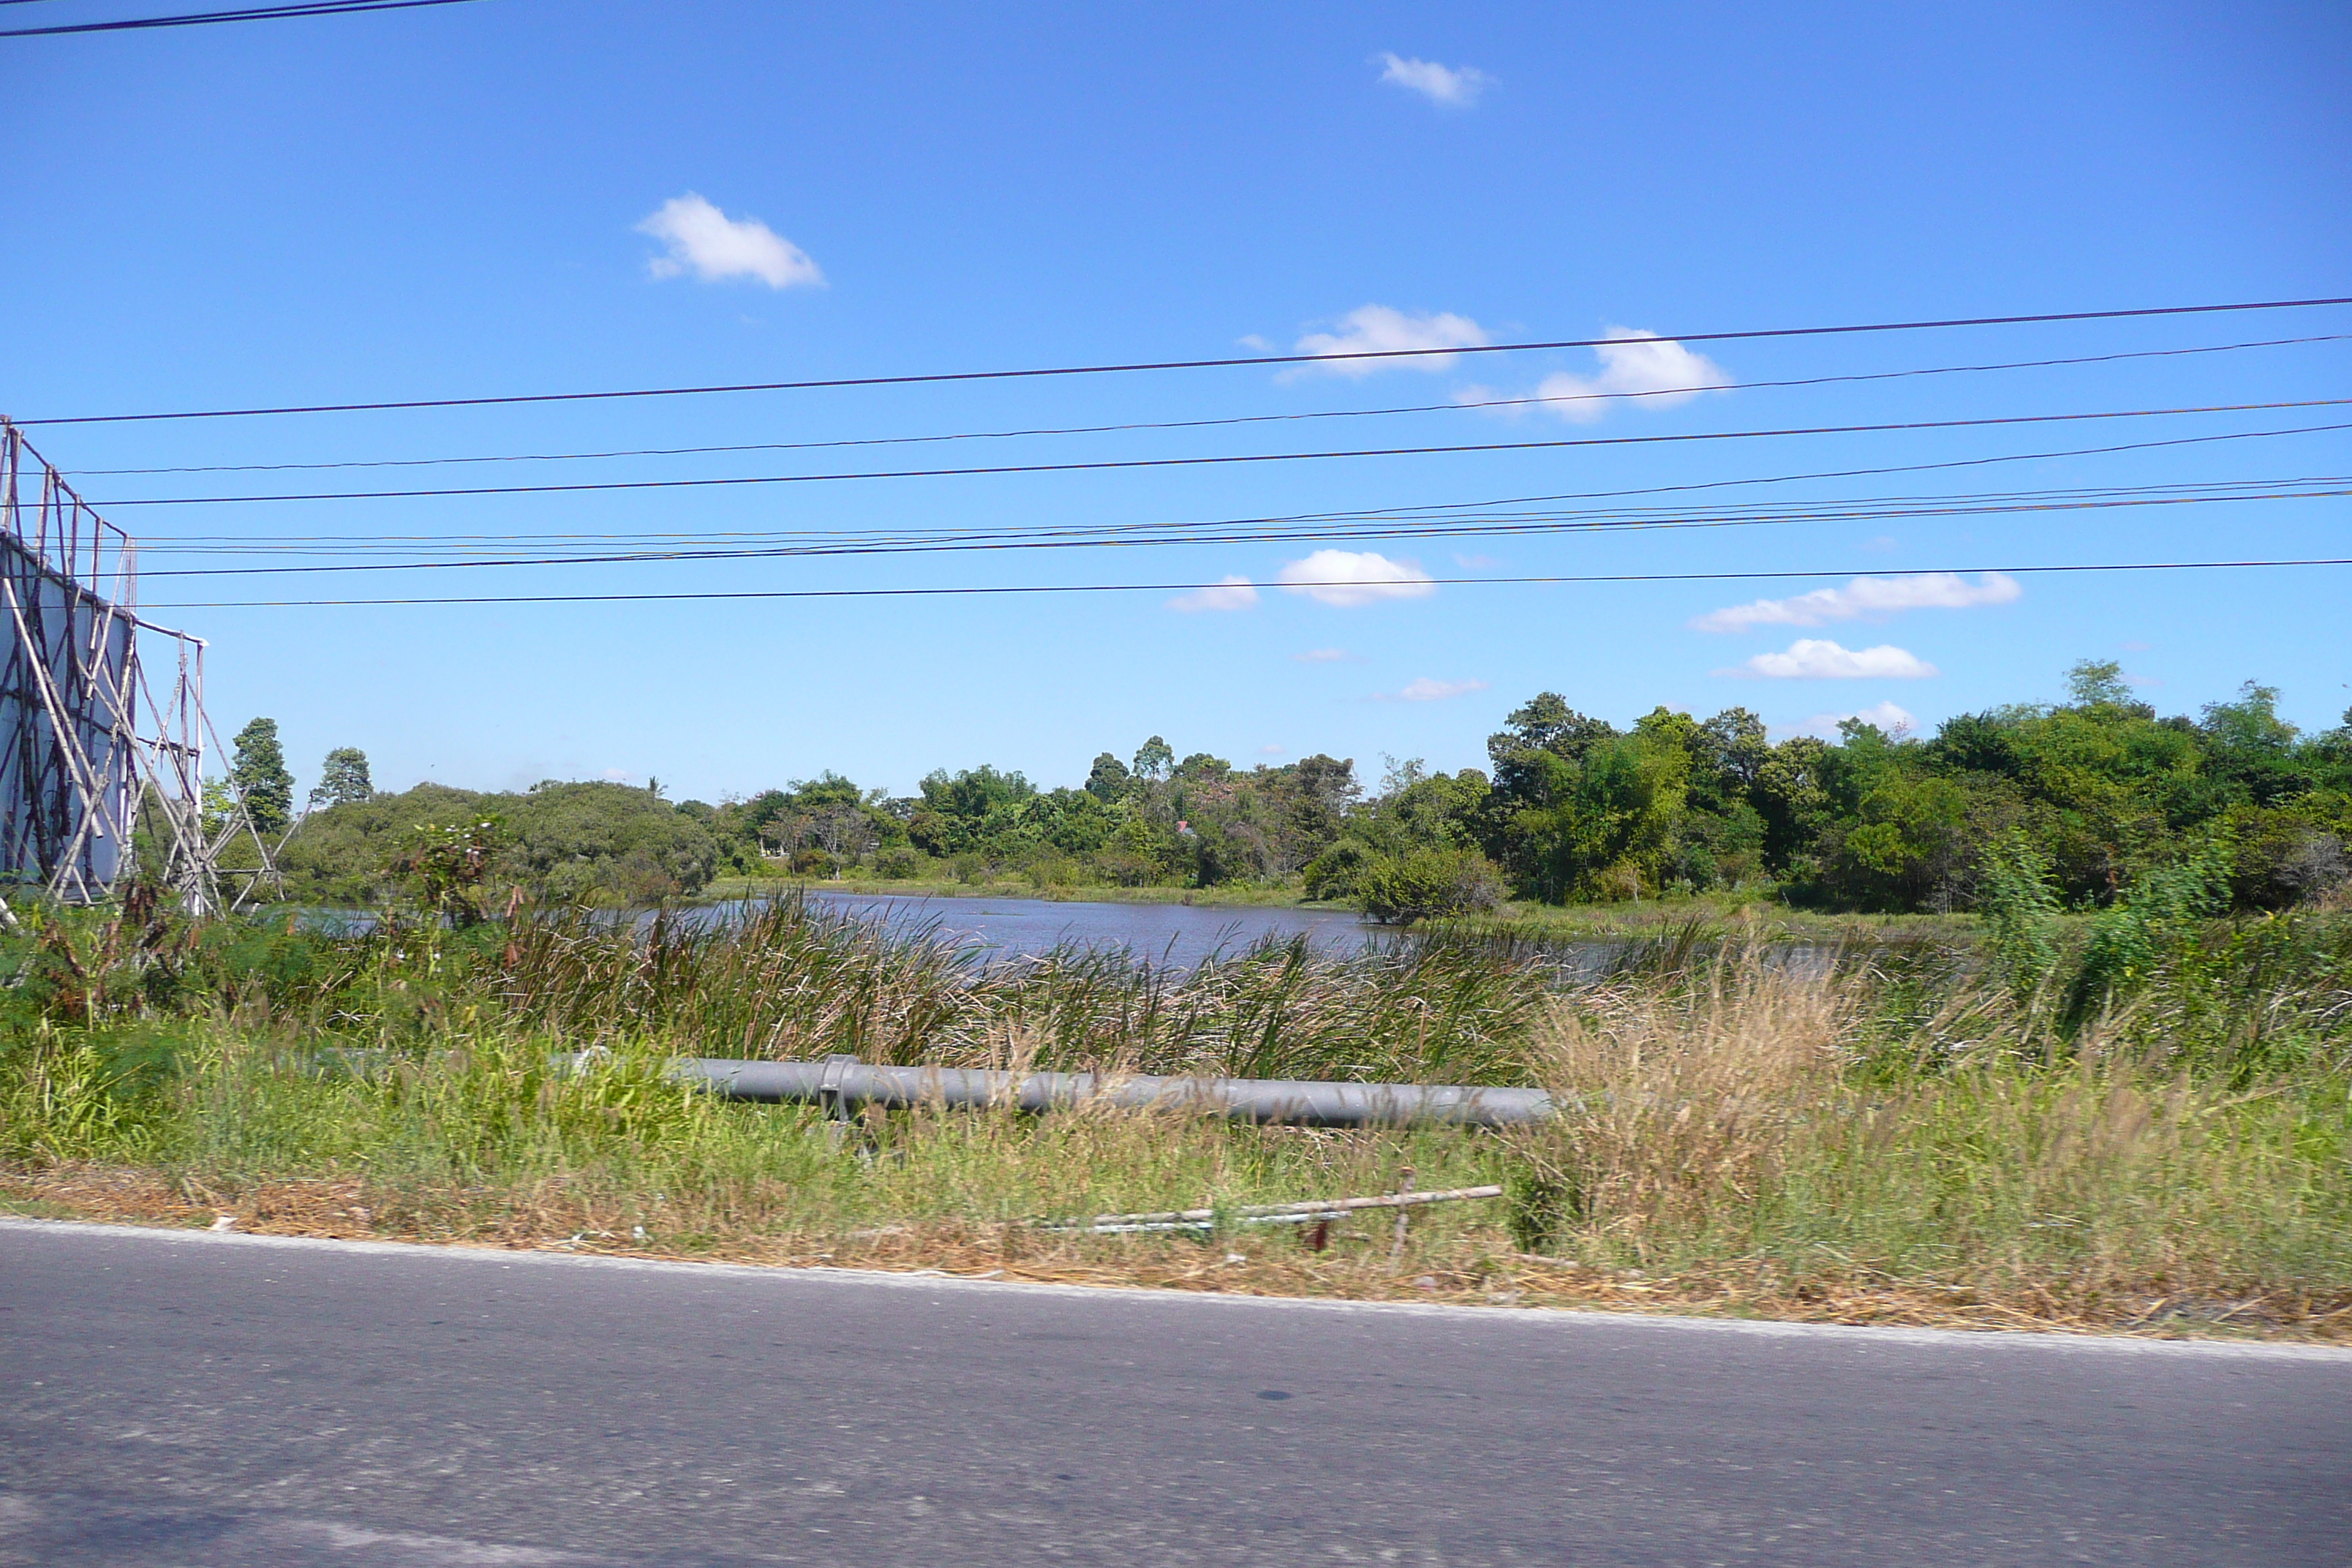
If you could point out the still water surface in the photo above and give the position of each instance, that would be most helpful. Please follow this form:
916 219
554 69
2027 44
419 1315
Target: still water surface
1172 933
1014 928
1182 936
1176 934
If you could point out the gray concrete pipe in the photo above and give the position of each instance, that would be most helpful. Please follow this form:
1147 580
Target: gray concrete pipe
843 1081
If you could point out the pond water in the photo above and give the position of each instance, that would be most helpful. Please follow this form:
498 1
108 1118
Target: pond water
1182 935
1179 934
1176 934
1172 934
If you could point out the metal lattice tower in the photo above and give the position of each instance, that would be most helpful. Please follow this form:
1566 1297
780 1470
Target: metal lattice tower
101 766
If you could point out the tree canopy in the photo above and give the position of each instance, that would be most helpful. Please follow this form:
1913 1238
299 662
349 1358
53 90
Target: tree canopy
343 778
258 768
2107 795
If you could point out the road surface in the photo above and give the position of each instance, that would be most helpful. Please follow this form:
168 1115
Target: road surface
170 1397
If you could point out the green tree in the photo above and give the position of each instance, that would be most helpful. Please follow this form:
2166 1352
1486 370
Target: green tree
959 811
1735 747
344 778
1154 760
2253 748
1579 810
1790 796
1108 779
1548 723
1719 837
258 768
2094 683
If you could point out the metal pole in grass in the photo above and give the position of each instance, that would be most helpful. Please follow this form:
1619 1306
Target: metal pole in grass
1404 1185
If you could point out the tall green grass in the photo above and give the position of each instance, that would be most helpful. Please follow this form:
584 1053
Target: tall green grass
1742 1123
792 982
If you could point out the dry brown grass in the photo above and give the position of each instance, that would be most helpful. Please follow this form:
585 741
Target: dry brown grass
1683 1102
1473 1265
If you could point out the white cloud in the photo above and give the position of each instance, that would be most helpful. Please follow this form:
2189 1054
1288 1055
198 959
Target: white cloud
1323 656
1456 87
1272 751
1226 593
1253 341
1657 373
1875 597
1348 578
1379 329
1476 562
713 247
1428 690
1816 658
1894 720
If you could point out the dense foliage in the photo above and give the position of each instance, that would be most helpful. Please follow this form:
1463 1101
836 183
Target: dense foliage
1571 808
258 772
555 842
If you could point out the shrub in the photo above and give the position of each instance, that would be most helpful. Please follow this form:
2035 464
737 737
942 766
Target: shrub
2148 924
1334 873
1428 884
2021 911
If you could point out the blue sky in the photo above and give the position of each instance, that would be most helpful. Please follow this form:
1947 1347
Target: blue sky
466 200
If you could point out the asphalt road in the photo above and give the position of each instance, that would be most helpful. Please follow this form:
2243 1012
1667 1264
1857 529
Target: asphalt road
177 1398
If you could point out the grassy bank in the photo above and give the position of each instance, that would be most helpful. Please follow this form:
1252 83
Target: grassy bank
1724 917
1918 1136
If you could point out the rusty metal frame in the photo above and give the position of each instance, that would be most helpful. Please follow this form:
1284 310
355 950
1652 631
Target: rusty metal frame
102 781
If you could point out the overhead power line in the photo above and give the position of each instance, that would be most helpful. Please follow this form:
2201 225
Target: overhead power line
244 13
1227 458
1367 354
1132 426
975 590
1113 537
252 544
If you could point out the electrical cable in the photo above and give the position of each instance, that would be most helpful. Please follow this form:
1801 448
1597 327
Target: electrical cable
1365 522
1475 529
247 13
1333 525
245 543
1222 460
969 590
1200 424
1370 354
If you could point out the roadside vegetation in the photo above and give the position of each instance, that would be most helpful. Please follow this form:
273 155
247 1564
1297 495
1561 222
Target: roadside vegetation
1572 813
2136 1119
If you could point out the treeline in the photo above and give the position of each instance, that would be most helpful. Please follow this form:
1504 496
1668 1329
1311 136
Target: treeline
2100 790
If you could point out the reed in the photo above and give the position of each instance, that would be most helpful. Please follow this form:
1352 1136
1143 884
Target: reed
788 982
1887 1135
